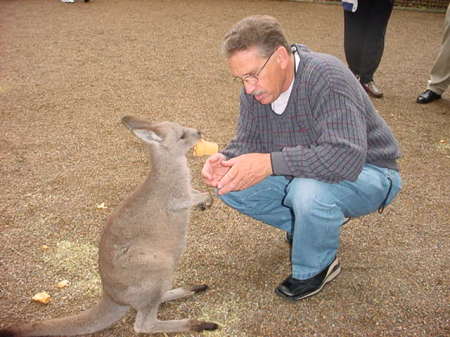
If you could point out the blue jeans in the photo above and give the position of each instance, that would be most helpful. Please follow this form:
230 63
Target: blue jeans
313 211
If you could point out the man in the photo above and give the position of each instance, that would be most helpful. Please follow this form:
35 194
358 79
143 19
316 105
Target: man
440 73
310 149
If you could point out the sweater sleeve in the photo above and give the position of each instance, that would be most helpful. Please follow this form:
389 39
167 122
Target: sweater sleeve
339 151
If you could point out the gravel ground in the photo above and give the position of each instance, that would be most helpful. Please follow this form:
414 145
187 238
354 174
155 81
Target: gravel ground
69 72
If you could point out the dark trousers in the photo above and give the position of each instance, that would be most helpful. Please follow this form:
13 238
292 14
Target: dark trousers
364 33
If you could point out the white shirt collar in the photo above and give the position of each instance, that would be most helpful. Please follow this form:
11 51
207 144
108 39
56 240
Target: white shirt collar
279 105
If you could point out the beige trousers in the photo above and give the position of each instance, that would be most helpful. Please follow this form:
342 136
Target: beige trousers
440 73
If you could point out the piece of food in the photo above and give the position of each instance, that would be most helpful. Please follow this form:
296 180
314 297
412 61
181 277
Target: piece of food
205 148
101 206
42 297
63 284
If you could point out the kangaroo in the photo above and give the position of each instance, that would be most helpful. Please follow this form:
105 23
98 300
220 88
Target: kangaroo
141 244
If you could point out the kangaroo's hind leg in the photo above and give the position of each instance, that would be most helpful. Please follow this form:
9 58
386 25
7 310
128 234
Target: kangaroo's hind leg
178 293
147 322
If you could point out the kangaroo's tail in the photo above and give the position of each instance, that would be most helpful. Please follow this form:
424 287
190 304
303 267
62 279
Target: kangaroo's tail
99 317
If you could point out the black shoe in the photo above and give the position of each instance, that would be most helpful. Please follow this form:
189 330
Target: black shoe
294 289
427 96
372 89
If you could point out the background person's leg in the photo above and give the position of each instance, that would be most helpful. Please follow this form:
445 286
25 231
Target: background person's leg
355 25
440 73
375 26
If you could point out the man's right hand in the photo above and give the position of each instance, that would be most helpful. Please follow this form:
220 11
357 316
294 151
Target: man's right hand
213 170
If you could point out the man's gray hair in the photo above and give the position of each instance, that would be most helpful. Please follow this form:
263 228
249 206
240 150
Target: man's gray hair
261 31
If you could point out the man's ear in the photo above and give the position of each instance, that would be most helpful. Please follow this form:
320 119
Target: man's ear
283 57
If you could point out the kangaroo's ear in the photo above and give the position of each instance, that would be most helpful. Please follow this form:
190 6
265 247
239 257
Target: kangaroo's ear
141 129
147 136
134 123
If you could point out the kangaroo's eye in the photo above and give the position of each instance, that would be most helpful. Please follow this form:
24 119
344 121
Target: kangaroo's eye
183 135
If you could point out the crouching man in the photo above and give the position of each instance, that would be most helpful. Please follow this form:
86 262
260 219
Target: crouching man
310 149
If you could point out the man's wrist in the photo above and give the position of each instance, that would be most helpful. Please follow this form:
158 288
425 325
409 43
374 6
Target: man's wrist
270 164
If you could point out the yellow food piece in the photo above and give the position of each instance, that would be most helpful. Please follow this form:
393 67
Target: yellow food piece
205 148
63 284
42 297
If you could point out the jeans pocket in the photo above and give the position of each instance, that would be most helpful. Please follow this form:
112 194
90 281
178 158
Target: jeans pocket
375 188
396 185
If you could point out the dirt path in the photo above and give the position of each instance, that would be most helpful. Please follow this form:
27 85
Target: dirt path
69 72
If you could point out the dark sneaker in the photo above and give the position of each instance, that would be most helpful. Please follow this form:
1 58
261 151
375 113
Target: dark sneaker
294 289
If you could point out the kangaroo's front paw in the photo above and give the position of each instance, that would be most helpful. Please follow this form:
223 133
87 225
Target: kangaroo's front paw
205 203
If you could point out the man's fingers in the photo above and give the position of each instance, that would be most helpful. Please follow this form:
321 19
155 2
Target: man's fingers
226 189
206 173
216 157
229 163
227 179
210 164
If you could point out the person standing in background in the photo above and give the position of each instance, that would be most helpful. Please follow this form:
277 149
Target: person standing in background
365 23
440 73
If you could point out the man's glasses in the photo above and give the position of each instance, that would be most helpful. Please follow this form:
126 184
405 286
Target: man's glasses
252 79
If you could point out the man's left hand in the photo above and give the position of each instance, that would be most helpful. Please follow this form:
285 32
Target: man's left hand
245 171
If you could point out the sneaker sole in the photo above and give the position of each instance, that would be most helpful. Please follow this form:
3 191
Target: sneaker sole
335 270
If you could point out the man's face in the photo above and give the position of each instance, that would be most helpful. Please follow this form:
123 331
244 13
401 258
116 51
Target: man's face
270 76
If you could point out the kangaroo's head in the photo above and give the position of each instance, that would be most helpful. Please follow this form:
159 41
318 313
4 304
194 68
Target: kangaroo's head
165 136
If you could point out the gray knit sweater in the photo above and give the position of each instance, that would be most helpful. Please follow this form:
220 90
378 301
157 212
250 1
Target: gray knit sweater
328 131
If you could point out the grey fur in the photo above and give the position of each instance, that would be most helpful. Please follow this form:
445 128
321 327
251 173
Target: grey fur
142 243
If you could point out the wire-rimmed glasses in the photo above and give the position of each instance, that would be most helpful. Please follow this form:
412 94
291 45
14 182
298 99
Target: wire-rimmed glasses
252 79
